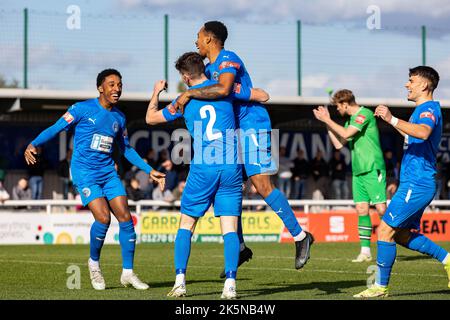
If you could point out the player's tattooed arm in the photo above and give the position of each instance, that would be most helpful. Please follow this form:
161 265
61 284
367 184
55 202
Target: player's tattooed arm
420 131
153 115
337 141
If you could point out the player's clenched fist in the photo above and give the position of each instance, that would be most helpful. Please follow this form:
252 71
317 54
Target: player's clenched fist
383 112
160 86
30 154
321 113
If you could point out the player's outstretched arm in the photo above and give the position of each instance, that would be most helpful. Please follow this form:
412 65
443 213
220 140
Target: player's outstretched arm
322 114
153 115
420 131
259 95
43 137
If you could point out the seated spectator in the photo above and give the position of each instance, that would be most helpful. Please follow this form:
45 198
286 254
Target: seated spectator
300 173
319 168
144 182
285 173
134 191
171 175
338 176
21 190
178 192
4 195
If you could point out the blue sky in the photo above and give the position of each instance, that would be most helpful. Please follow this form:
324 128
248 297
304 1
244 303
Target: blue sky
338 50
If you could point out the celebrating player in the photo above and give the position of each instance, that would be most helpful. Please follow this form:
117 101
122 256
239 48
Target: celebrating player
368 168
97 125
215 176
252 118
417 180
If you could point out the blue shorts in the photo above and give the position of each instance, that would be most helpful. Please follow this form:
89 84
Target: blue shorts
110 189
255 152
408 204
221 188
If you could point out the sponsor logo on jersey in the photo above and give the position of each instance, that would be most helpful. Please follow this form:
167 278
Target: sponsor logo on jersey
429 115
171 109
237 88
115 126
86 192
360 119
68 117
229 64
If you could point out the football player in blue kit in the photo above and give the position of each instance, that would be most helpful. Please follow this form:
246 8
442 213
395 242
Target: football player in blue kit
215 175
97 125
254 122
417 188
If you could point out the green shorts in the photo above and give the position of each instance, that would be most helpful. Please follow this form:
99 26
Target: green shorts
370 187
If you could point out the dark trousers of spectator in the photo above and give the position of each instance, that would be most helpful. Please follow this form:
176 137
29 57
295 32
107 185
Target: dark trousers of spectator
36 187
340 189
299 189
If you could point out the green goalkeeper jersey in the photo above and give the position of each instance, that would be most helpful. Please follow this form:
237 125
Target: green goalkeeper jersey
365 145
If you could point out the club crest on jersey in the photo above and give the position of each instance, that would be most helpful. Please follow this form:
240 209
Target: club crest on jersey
68 117
86 192
215 75
229 64
429 115
360 119
171 109
115 126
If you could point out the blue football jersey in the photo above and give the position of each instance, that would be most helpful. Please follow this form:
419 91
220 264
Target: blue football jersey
419 156
250 115
212 126
95 131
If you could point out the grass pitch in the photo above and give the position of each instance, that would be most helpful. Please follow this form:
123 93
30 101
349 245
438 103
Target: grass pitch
40 272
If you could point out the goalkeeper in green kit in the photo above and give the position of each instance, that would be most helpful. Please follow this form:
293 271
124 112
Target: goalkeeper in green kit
368 168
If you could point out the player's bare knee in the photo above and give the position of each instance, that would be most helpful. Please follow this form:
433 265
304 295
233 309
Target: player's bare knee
381 208
104 218
263 185
362 209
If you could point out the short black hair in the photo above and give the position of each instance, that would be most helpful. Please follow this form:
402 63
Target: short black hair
191 63
427 73
105 73
218 29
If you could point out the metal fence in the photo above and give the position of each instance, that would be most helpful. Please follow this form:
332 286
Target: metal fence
41 49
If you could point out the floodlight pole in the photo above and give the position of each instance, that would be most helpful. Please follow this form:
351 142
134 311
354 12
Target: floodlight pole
299 57
424 45
25 48
166 47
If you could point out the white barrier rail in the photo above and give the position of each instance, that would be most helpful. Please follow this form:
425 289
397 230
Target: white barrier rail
306 204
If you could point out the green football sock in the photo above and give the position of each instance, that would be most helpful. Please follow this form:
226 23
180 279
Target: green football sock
364 230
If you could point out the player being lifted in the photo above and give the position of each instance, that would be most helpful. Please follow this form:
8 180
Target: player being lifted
97 125
229 71
215 175
368 168
417 186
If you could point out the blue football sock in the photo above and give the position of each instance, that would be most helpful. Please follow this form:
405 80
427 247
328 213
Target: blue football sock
182 250
387 252
278 202
127 240
231 254
418 242
240 233
98 234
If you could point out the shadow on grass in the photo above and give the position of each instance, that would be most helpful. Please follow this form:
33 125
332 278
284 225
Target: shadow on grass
413 258
169 284
326 287
447 292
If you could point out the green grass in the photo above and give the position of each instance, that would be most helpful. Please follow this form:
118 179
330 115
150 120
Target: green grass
39 272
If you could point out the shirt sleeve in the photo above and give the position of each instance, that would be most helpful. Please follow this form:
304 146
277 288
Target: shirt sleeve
230 63
129 153
428 116
361 120
170 113
68 120
241 92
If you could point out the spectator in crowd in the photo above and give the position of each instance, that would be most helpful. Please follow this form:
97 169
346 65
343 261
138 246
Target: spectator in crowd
300 173
320 171
63 172
36 175
439 177
162 157
171 175
4 195
151 158
392 170
134 191
178 192
145 185
338 176
21 190
284 172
